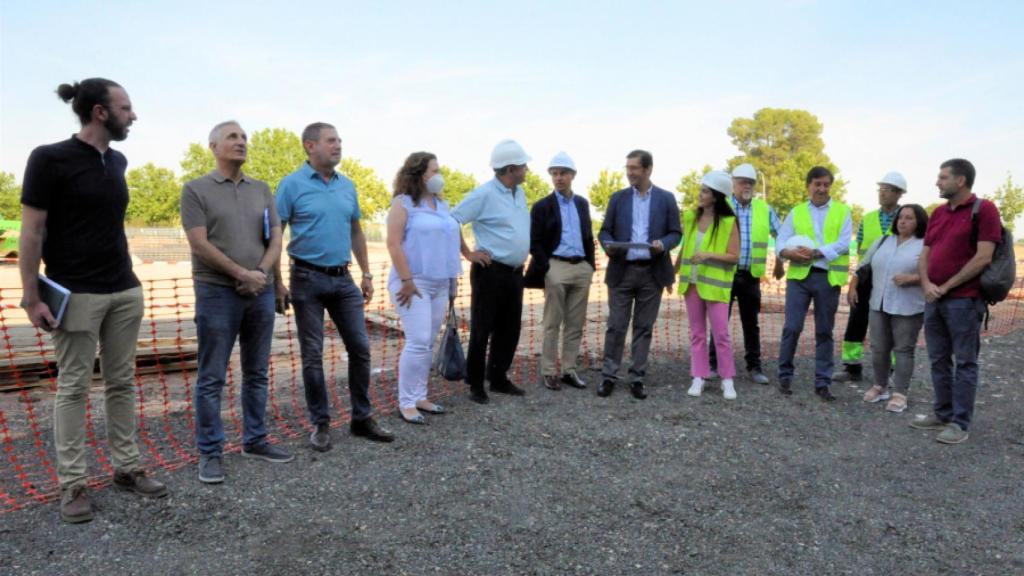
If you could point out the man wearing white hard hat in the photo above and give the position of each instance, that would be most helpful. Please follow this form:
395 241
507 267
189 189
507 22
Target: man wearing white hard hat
757 222
640 228
815 238
501 226
875 224
562 264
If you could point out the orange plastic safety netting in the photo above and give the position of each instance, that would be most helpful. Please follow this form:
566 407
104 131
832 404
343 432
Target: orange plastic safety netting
166 375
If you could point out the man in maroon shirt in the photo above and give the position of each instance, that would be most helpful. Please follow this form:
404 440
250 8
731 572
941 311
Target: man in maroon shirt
950 266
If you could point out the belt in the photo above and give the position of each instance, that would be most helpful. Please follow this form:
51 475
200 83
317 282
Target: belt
329 270
819 270
569 259
639 262
505 267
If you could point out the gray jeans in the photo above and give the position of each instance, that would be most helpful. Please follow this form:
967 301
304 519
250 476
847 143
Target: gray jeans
891 333
637 295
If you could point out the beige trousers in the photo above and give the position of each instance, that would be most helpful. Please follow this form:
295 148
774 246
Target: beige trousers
566 290
112 321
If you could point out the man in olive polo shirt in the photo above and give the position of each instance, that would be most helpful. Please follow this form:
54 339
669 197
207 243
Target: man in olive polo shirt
235 236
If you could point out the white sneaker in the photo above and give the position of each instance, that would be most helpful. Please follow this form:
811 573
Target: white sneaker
697 387
728 391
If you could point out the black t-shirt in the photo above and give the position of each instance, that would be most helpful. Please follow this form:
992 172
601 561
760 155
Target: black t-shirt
85 196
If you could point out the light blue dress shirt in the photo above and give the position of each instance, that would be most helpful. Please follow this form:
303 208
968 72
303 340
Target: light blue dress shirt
500 219
571 243
641 223
320 215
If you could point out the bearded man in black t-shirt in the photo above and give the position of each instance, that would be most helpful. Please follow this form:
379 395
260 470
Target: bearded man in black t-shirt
74 198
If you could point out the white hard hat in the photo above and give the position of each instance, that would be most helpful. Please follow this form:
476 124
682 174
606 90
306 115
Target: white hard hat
798 242
745 171
562 160
894 179
508 153
718 180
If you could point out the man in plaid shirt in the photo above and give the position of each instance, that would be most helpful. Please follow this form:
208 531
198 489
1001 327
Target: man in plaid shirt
757 220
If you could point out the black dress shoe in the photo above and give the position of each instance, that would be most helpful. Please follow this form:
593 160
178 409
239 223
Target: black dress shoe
637 389
571 379
552 383
785 388
604 389
825 394
370 430
478 395
507 387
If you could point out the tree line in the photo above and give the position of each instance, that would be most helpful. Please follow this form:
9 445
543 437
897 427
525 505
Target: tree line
781 144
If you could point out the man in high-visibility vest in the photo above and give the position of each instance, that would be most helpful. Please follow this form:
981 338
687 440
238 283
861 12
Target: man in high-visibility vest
757 221
875 224
815 238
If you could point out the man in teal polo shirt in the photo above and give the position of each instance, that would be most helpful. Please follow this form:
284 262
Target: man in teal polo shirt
501 226
322 208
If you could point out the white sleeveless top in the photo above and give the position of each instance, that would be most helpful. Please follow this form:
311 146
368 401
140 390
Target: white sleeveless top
431 242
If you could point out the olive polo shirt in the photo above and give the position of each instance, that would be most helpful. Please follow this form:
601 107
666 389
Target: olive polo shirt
238 218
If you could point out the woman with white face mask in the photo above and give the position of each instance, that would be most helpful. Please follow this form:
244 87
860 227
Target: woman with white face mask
423 240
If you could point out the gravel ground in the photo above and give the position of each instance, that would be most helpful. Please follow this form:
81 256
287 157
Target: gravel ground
566 483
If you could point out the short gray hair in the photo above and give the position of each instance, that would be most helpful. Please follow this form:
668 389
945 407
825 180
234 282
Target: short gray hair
215 134
312 132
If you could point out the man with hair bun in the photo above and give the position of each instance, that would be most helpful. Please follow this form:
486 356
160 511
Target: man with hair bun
74 199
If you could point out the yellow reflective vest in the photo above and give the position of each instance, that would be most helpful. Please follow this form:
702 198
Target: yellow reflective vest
872 227
760 232
838 269
714 278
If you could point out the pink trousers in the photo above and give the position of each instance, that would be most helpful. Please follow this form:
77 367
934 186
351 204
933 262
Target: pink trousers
700 311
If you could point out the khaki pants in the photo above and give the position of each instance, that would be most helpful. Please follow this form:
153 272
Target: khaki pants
112 321
566 290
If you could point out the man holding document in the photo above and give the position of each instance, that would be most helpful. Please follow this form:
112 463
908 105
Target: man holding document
640 227
73 205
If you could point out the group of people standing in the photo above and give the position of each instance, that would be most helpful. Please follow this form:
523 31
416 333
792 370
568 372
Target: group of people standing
75 197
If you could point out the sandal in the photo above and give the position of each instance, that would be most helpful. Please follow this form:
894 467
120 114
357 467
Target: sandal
876 394
897 404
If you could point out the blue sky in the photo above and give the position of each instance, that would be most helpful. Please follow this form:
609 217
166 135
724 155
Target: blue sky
897 85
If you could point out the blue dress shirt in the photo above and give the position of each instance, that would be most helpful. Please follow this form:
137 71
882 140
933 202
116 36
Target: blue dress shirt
500 219
641 223
571 243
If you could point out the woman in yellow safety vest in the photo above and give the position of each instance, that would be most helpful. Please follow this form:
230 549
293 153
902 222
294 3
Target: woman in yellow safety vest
706 265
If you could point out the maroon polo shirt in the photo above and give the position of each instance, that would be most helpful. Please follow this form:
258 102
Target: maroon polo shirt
949 242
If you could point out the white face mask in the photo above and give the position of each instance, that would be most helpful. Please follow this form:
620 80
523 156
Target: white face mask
435 184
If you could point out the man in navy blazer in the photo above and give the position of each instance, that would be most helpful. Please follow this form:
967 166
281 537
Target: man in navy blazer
642 213
562 263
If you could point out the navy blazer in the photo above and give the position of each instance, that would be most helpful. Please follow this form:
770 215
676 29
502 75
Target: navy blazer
664 225
546 235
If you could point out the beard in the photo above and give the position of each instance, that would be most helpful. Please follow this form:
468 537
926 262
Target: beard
118 131
947 194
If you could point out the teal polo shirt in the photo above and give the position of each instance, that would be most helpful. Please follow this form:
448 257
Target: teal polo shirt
320 215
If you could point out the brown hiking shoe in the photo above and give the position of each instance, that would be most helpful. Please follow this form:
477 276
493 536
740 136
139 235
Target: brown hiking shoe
75 505
136 481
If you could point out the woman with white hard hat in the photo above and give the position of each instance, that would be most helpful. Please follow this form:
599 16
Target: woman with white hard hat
423 240
706 265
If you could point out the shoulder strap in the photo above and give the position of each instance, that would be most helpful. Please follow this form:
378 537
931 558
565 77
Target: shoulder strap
974 221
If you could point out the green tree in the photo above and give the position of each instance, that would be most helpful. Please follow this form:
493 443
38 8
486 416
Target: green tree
931 207
154 196
856 216
198 161
273 154
535 188
456 185
10 197
608 182
689 188
1010 200
374 198
783 145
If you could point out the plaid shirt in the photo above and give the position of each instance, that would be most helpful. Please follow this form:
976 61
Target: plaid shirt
743 218
884 219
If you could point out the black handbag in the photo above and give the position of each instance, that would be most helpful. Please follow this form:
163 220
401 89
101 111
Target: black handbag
864 275
449 360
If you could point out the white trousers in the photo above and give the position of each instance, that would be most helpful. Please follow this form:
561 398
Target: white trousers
421 321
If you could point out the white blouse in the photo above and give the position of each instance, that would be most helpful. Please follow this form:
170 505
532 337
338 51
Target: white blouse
888 259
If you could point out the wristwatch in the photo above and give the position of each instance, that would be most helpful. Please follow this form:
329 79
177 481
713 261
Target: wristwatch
367 275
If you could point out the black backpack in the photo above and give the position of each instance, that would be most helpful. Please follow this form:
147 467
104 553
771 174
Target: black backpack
999 276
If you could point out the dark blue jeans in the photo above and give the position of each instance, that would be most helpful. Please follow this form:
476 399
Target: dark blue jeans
952 328
222 316
799 295
313 292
